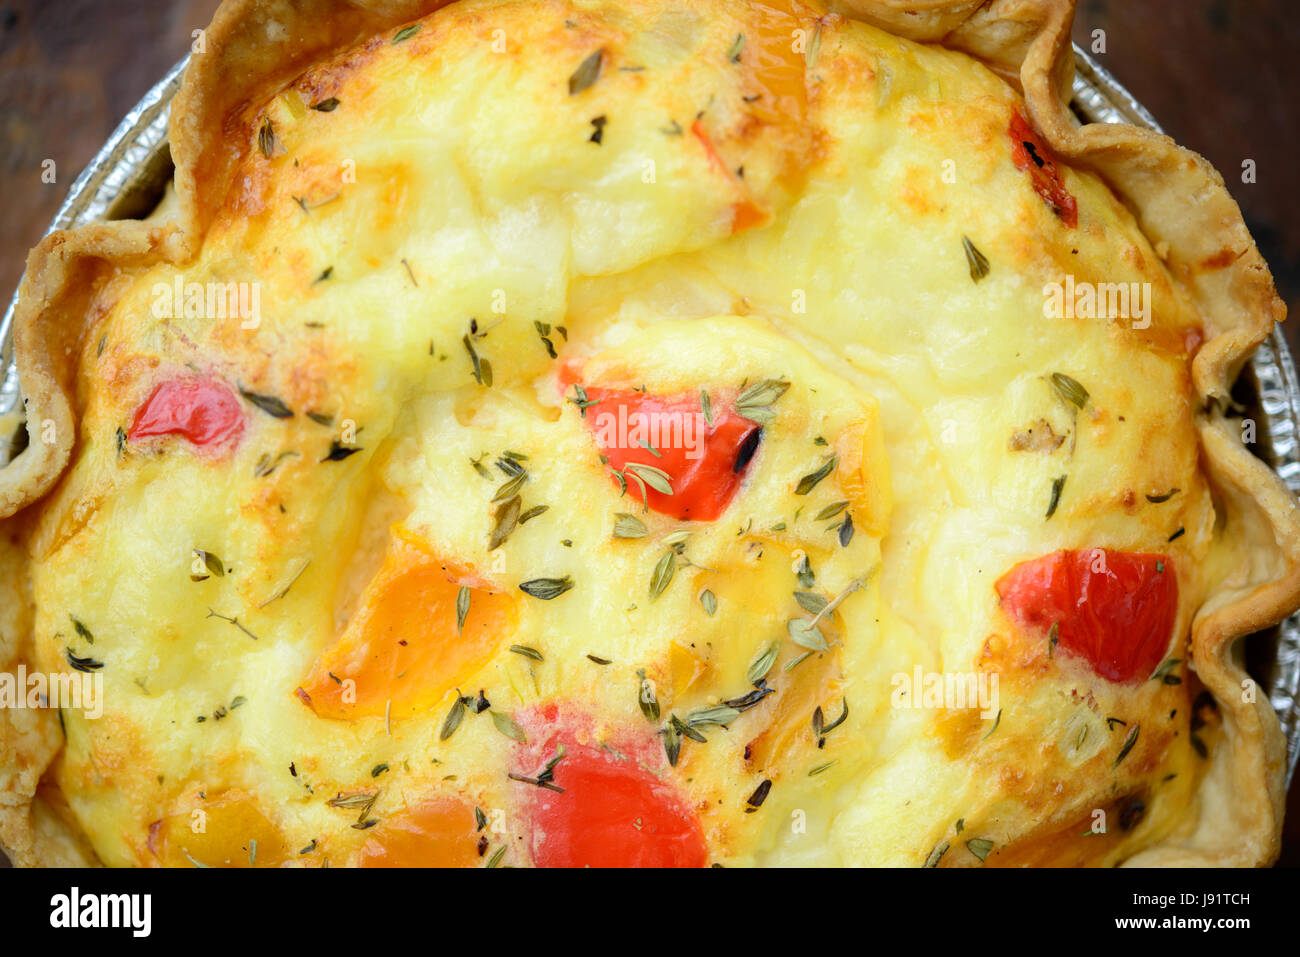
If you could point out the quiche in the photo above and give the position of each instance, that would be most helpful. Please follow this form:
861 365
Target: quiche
591 433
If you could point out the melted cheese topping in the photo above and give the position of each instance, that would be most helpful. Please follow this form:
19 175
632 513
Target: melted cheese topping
739 193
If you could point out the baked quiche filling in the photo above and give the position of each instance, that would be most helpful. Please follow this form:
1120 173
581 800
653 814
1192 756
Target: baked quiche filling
646 434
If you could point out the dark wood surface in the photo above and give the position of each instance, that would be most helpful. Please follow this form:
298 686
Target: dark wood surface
1220 75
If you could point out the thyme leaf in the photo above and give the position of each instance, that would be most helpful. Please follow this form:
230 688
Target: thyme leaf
267 141
628 526
462 607
978 262
211 562
505 518
718 716
269 404
338 452
587 73
656 478
811 480
762 663
810 602
939 851
755 800
546 588
754 402
830 511
481 368
663 573
82 664
453 719
805 573
1128 745
1058 484
805 634
506 725
510 487
646 696
1069 390
533 513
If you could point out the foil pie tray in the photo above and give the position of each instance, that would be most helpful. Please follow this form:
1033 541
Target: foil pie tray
127 178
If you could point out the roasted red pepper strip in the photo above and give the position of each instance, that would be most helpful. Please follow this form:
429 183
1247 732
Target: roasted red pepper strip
1031 154
705 463
205 411
611 811
1115 610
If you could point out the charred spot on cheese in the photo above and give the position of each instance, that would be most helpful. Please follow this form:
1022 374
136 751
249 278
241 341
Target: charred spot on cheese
1039 437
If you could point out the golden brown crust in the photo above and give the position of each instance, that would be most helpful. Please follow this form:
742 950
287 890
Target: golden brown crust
53 301
1182 205
243 38
30 832
54 305
1178 199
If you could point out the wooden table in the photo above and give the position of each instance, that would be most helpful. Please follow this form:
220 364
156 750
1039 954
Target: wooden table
1220 75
